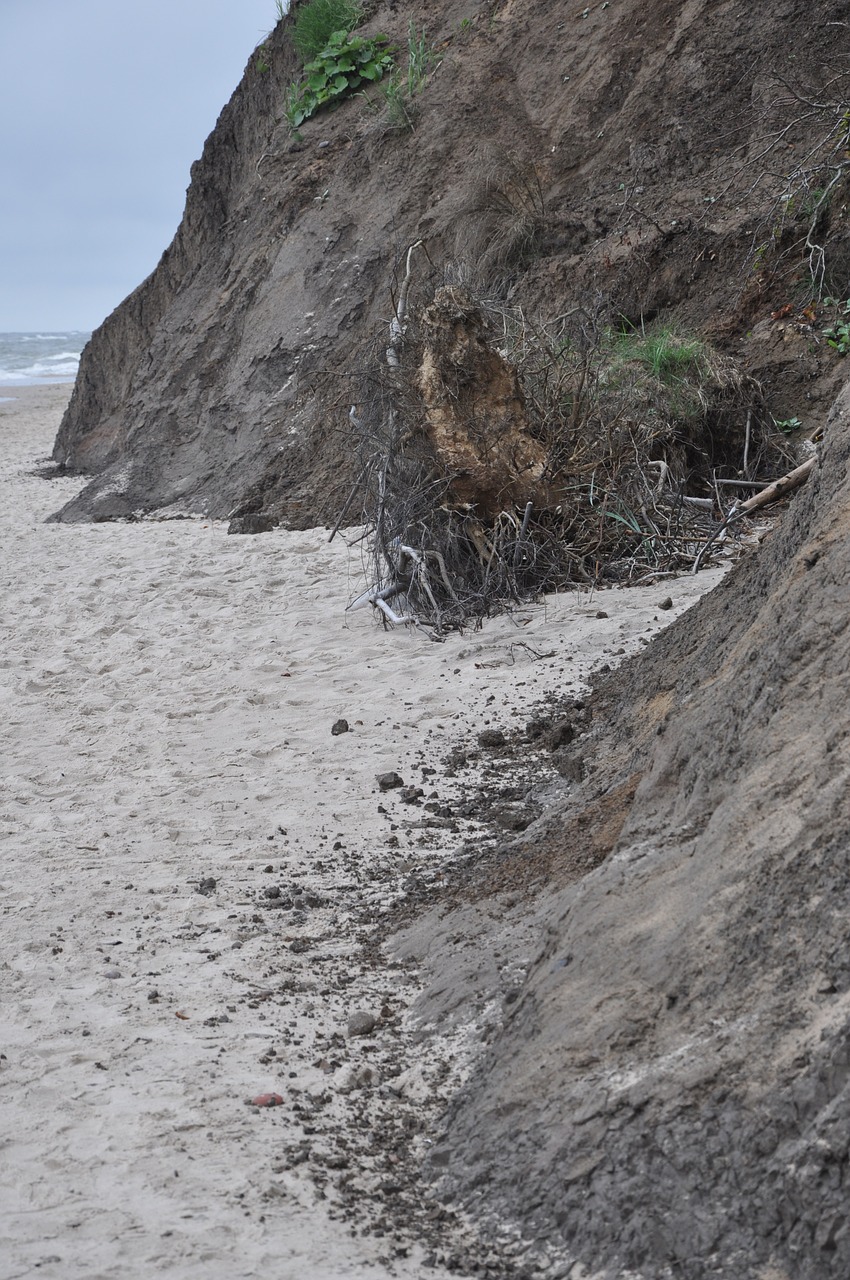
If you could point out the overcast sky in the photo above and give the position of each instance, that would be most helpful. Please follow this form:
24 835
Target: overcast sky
104 104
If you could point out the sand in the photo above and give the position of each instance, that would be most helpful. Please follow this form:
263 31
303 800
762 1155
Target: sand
168 699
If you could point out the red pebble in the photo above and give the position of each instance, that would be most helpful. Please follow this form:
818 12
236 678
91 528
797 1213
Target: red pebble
267 1100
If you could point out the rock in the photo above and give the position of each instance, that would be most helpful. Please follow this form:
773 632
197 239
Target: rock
570 765
512 819
112 973
364 1076
272 892
253 522
560 735
265 1100
410 795
600 613
491 738
666 604
207 886
341 726
387 781
362 1023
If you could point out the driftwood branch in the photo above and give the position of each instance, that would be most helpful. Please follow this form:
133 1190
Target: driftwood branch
772 493
778 488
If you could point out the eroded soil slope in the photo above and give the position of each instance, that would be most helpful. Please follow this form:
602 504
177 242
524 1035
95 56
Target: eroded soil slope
627 157
673 1083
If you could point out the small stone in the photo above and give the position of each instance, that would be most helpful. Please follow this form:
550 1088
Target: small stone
112 973
491 738
387 781
265 1100
666 604
600 613
341 726
362 1023
207 886
560 735
272 892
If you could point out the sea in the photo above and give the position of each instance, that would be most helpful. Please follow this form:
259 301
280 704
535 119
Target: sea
28 359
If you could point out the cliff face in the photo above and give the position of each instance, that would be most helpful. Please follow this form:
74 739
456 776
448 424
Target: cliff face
673 1083
558 156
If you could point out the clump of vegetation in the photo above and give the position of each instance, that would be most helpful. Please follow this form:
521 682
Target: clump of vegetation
318 21
505 217
838 334
671 359
402 88
345 64
637 429
808 217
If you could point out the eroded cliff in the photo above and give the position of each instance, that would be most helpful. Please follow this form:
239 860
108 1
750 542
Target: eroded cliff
611 156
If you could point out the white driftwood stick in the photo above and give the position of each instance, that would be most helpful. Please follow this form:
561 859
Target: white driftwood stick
374 594
398 324
398 618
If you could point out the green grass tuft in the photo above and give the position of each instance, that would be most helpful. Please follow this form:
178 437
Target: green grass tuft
669 357
317 21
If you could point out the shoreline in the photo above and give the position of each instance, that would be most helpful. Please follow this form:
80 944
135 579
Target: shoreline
195 875
10 391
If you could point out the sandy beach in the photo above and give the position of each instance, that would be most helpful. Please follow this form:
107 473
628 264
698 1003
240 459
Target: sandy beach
192 863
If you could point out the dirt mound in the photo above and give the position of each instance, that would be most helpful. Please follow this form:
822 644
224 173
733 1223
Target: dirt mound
671 1092
648 165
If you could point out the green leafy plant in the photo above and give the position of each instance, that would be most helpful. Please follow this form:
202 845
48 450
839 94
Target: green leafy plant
838 334
318 21
787 425
344 64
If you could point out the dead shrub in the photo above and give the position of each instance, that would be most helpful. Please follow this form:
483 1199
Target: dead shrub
505 217
506 458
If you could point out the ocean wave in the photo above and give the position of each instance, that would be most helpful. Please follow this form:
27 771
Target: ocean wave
40 357
44 370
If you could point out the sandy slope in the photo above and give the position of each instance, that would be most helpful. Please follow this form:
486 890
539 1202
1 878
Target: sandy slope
168 695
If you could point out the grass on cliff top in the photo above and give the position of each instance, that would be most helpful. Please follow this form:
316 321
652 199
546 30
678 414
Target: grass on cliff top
317 21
